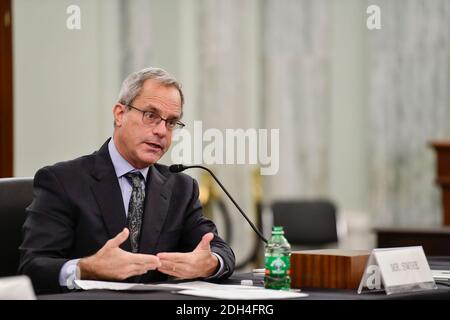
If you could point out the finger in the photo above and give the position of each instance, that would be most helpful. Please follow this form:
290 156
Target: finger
145 259
139 270
140 258
118 239
167 265
173 269
169 272
173 256
134 270
204 244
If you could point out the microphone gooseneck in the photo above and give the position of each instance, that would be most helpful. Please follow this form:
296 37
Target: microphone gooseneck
175 168
179 168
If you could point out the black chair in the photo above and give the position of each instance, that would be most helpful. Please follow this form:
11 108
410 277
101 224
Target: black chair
308 224
15 195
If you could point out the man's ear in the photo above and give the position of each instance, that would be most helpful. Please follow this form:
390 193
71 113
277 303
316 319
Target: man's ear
118 112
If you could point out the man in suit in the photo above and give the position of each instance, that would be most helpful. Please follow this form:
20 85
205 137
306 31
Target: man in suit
118 215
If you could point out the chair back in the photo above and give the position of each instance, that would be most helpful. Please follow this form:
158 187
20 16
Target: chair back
15 195
307 222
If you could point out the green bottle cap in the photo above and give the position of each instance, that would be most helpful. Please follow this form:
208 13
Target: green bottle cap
277 230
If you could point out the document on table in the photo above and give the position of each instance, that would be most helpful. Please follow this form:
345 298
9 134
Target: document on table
195 288
441 275
122 286
243 294
235 292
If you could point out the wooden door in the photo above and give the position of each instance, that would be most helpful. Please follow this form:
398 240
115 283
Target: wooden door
6 90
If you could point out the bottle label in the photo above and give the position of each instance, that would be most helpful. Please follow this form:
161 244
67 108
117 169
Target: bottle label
278 266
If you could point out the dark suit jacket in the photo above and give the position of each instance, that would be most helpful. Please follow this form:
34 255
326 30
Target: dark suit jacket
77 206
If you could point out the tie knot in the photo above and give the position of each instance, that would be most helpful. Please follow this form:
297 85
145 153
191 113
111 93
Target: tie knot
134 178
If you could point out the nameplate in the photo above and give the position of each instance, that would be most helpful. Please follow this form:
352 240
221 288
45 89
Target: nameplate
397 270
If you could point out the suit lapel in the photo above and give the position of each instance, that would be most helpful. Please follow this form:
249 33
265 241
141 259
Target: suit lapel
158 193
107 192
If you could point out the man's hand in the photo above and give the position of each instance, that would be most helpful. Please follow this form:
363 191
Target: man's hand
200 263
113 263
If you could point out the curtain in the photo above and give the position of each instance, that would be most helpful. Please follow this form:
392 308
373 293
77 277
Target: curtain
293 55
296 57
136 35
225 101
408 106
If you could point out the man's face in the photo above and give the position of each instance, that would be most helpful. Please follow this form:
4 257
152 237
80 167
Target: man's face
140 144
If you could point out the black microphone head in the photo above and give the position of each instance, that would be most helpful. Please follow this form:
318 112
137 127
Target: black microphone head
175 168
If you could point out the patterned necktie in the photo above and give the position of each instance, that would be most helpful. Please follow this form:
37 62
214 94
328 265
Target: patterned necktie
135 208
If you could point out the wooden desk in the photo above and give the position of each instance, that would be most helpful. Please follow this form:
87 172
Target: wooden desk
167 299
435 241
442 149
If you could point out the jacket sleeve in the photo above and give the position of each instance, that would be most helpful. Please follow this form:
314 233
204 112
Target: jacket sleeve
196 225
48 233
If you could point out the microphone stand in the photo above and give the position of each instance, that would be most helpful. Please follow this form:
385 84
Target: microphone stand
179 168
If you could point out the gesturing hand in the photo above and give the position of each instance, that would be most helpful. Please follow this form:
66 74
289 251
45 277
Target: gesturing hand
113 263
198 263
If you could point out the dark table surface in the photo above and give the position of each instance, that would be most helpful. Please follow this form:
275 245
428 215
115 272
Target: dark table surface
442 292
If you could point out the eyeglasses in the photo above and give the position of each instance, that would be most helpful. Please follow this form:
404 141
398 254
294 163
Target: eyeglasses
153 119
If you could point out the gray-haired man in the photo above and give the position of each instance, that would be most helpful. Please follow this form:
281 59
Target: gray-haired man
117 214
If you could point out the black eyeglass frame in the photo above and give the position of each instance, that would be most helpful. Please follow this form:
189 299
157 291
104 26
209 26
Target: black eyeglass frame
178 124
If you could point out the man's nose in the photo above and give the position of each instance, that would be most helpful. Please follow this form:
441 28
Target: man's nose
160 129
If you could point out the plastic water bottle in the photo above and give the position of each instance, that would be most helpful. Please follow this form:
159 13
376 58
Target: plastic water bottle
277 261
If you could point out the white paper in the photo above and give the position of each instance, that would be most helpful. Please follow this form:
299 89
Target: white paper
121 286
200 285
195 288
192 285
239 294
441 274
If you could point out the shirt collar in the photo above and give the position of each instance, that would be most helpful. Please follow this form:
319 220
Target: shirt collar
122 166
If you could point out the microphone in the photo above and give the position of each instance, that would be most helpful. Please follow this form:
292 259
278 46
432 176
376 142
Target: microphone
175 168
